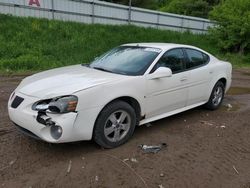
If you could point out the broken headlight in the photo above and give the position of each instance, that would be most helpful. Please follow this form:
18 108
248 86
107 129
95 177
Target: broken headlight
62 104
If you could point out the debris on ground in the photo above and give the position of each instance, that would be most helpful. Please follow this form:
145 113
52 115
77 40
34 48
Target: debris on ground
124 160
235 170
10 164
229 106
162 175
148 124
160 186
152 149
69 166
206 123
134 160
223 126
96 178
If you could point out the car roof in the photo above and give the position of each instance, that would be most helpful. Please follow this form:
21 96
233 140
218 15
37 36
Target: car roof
163 46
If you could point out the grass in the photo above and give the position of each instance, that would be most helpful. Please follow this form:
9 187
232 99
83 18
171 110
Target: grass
29 44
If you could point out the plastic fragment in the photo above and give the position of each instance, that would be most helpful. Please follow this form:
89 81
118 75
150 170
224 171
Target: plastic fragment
206 123
153 148
134 160
124 160
12 162
148 125
235 170
69 166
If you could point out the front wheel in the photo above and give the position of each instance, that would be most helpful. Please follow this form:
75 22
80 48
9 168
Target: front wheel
216 96
115 124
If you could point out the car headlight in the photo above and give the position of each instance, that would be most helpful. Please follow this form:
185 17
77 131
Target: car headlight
62 104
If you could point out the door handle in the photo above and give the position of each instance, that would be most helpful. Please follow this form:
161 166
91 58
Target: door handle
183 79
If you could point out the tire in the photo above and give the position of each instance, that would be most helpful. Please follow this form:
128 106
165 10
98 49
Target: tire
216 96
115 124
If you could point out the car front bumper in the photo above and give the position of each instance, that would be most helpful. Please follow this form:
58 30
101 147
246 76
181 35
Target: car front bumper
75 126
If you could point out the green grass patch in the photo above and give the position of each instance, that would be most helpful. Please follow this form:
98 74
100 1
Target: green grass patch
29 44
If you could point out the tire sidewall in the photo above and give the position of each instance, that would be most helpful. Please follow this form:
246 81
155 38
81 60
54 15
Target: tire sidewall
210 103
99 135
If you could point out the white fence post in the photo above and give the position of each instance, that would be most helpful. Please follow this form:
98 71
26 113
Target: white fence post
158 20
93 12
53 9
129 11
182 29
203 26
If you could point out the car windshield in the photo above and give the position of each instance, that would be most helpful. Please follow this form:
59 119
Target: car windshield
127 60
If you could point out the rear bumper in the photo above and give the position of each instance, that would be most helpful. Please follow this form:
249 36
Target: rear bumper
75 126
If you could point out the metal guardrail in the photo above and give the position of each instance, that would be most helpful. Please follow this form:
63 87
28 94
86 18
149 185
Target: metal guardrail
106 11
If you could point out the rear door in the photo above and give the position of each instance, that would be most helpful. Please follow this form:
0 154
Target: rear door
199 75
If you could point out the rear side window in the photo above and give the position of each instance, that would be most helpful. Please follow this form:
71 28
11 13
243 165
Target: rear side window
195 58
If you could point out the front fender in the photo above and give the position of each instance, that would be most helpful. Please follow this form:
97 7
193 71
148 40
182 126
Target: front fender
102 95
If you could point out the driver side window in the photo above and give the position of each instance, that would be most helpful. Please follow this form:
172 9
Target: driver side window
173 59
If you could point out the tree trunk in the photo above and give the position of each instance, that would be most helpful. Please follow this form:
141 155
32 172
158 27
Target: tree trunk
242 47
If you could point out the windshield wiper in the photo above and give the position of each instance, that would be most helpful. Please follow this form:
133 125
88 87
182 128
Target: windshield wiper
102 69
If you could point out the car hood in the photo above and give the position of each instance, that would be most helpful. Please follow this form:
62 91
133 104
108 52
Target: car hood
65 81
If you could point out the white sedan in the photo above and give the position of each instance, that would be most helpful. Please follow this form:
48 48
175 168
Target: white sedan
130 85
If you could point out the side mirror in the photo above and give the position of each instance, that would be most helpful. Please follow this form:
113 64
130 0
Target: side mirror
161 72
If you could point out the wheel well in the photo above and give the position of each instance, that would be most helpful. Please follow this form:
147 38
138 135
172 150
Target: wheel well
132 102
224 81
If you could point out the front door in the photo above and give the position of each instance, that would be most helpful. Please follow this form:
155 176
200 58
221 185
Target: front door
169 93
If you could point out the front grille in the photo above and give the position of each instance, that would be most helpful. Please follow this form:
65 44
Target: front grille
16 102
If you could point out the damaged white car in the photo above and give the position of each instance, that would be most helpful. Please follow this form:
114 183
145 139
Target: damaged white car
128 86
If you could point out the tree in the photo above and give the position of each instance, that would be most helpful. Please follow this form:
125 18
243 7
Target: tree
148 4
198 8
233 30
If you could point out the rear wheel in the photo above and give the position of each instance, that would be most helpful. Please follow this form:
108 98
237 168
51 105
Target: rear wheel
216 96
115 124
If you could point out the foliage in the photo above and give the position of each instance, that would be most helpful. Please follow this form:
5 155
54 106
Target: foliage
29 44
198 8
148 4
233 31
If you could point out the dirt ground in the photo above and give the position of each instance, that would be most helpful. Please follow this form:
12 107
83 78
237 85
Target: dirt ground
205 149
